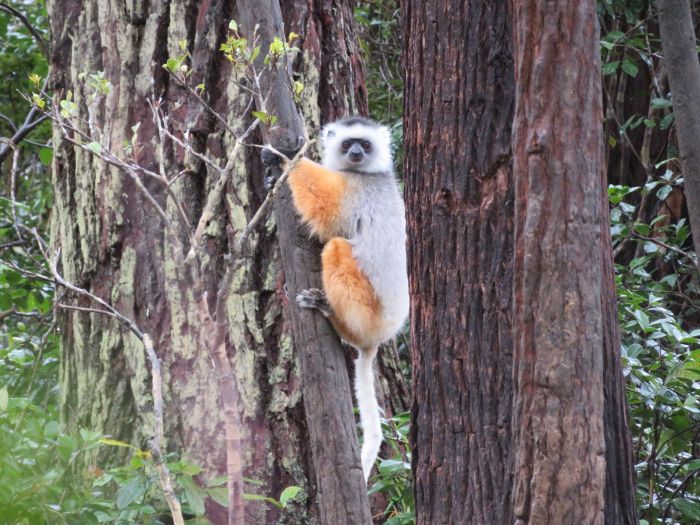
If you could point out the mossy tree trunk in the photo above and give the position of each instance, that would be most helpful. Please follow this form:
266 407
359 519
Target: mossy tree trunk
114 244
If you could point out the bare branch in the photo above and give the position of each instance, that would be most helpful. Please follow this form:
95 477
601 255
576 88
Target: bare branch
267 203
667 246
161 467
25 21
214 196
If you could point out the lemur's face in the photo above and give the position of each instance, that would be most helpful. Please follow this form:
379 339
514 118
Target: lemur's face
356 150
357 145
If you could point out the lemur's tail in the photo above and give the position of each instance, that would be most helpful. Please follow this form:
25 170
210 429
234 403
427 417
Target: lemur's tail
368 408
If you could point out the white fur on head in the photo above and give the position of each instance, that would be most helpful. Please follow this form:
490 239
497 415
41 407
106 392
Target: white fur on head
379 160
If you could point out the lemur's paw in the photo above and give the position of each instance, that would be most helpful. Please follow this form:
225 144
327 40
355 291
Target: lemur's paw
270 158
314 298
271 177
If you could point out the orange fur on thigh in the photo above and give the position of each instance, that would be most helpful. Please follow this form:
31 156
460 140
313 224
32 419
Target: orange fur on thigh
317 194
350 294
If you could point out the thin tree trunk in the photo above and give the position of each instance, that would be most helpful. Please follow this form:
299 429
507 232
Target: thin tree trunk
114 245
681 59
567 377
327 395
458 105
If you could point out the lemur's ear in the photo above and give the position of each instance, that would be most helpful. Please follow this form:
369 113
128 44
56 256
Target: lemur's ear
385 134
327 132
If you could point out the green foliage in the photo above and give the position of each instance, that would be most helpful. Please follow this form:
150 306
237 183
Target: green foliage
661 355
656 272
393 478
21 57
379 37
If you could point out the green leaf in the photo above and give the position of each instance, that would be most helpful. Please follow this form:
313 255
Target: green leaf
629 67
195 495
233 25
611 67
266 499
663 192
4 399
45 156
114 443
666 121
689 508
172 65
220 495
660 103
289 494
130 492
95 147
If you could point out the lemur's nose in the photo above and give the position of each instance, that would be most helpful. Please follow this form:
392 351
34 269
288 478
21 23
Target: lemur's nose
356 152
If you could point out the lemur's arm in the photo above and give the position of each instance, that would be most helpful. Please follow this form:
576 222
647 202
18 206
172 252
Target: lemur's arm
317 194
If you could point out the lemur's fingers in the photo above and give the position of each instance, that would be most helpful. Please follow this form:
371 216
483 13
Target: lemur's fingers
270 158
271 177
314 298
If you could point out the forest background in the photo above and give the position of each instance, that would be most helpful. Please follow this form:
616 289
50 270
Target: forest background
56 469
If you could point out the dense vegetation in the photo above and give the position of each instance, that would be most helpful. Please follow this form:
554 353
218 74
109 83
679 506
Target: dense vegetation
656 276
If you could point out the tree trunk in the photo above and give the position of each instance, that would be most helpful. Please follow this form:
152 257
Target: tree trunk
681 59
566 365
115 245
458 105
467 428
326 389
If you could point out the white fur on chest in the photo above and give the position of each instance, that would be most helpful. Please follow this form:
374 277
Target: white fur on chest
375 224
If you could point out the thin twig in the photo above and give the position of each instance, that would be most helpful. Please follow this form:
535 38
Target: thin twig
25 21
267 203
204 103
156 380
31 121
214 196
667 246
158 405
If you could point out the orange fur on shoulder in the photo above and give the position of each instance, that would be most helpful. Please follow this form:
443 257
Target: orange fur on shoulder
350 295
317 194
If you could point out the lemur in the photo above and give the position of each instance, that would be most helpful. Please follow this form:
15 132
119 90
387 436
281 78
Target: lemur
351 201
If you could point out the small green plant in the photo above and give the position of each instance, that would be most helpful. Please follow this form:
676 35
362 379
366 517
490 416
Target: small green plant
393 478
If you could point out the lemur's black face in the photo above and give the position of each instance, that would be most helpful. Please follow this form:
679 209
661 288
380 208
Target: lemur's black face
356 149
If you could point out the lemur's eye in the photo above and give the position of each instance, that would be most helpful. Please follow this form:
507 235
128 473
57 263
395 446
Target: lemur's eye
346 145
366 145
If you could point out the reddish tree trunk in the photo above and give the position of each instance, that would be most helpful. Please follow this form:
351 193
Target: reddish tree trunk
458 106
467 426
567 375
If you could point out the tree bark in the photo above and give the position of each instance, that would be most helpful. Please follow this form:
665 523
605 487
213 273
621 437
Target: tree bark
467 428
566 355
114 245
681 59
326 387
458 106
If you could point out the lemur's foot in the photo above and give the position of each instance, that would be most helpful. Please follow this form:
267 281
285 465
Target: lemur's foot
314 298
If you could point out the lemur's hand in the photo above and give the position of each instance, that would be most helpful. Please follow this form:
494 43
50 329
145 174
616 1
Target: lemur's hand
271 159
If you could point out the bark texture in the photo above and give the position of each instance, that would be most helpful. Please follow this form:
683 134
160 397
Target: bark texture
115 245
327 396
518 390
566 364
681 59
458 106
